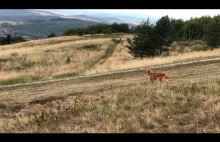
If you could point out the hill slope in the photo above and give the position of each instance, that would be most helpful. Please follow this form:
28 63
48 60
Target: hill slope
68 56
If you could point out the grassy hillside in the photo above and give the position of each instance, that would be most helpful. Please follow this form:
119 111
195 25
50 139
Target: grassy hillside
62 57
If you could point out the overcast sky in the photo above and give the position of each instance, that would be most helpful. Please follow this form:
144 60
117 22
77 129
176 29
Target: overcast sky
177 13
172 13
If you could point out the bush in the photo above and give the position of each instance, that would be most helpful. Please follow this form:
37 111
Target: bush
51 35
14 54
68 60
116 40
92 46
128 40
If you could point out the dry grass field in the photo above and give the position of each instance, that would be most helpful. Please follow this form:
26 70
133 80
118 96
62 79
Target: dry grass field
122 102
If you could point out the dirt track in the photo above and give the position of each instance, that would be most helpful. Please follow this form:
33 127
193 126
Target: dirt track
64 87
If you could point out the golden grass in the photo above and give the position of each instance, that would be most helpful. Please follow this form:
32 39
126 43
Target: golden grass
41 42
47 60
121 62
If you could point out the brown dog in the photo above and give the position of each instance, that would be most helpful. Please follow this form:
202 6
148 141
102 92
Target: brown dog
154 76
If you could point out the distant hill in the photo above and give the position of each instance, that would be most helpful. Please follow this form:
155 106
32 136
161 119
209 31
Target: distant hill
36 29
97 19
108 20
20 14
105 15
36 24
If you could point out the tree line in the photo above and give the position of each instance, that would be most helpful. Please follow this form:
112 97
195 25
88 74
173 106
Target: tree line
153 39
9 39
99 28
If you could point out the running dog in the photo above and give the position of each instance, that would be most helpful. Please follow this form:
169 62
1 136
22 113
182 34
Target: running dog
156 75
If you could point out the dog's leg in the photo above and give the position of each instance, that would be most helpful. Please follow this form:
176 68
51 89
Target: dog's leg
161 79
161 85
151 80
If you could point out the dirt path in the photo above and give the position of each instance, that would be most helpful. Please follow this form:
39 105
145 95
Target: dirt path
65 87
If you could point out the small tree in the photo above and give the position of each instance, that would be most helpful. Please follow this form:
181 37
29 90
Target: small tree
8 39
51 35
151 40
163 34
142 44
68 60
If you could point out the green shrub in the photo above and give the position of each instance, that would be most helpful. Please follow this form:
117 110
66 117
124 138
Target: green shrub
68 60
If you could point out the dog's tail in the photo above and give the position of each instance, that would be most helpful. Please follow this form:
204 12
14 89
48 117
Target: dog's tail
166 77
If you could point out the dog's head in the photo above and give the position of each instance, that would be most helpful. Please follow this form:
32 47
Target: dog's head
149 71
